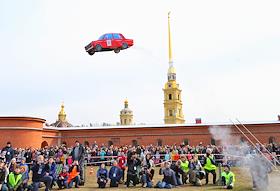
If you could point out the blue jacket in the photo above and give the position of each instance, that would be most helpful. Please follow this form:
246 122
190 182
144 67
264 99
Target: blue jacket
52 169
115 173
102 173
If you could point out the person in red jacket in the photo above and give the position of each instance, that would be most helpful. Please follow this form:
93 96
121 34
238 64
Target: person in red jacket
62 180
121 163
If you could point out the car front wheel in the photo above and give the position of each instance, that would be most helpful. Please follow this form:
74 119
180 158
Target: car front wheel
98 48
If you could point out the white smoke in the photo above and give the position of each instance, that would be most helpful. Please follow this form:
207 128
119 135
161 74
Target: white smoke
246 156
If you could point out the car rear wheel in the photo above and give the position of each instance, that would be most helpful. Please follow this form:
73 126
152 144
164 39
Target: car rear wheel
98 48
117 50
124 46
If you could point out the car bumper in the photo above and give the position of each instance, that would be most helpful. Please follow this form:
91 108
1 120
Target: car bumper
88 47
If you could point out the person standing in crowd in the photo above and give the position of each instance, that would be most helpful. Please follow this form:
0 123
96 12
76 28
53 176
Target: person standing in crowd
3 175
40 173
176 167
115 174
8 152
74 175
77 154
133 162
209 166
185 166
102 176
169 179
28 156
228 178
195 172
121 163
62 179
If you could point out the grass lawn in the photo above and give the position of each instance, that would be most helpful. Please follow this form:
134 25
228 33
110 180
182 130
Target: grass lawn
243 182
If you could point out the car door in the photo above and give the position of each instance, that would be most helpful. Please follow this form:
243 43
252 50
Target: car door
117 42
108 41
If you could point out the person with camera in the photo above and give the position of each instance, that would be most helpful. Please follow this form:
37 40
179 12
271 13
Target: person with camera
133 164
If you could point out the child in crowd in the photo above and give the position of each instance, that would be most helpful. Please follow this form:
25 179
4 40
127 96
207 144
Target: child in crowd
74 175
102 176
62 179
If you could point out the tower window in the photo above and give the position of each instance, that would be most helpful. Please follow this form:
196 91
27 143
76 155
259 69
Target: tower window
124 121
170 96
170 113
178 96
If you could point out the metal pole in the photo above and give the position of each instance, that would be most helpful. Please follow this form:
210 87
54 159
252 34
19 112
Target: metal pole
257 140
253 144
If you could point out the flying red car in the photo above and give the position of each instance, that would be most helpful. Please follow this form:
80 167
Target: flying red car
108 42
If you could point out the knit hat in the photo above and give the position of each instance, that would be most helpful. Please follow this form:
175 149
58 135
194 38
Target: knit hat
227 166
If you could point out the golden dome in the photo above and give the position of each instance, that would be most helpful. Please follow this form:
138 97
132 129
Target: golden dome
125 101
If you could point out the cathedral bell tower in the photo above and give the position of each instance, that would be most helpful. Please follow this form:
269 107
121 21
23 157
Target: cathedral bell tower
126 115
173 113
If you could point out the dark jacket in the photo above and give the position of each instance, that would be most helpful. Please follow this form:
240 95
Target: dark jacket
80 153
132 165
178 170
39 171
9 153
28 156
115 173
3 173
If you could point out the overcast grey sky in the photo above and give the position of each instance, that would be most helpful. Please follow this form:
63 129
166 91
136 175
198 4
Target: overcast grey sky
226 54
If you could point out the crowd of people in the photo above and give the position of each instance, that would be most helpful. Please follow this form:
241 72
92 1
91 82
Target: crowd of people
64 166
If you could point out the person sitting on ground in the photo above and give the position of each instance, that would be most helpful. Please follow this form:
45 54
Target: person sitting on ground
3 175
176 167
185 166
40 173
102 176
195 172
209 166
228 178
169 180
115 174
74 175
12 165
25 172
52 166
63 178
14 180
147 171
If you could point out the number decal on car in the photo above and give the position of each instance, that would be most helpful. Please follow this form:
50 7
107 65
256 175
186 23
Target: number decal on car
109 42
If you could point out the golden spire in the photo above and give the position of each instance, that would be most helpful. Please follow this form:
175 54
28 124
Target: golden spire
169 41
62 114
171 69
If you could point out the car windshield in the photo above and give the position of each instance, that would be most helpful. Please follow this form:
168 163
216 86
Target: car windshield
101 38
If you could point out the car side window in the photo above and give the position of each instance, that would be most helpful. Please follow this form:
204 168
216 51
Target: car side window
110 36
116 36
